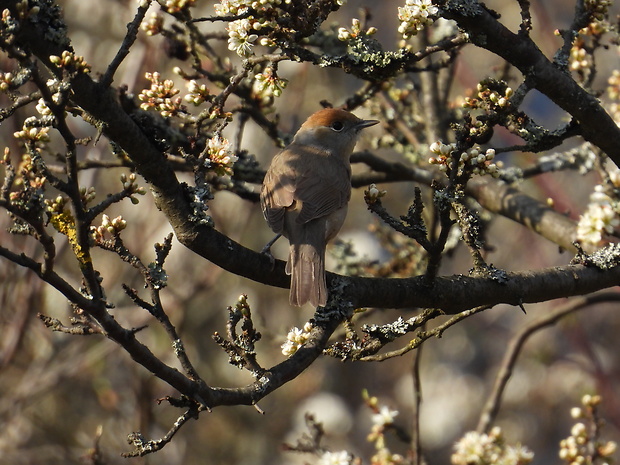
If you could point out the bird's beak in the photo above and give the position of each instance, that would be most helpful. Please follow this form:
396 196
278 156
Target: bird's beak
365 123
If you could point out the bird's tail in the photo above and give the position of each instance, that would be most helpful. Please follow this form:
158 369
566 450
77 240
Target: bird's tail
306 265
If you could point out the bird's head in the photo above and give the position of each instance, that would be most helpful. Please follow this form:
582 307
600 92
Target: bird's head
332 130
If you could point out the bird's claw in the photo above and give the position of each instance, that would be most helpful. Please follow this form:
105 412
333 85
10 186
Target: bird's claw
267 251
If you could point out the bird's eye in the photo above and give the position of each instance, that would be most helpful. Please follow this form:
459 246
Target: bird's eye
337 126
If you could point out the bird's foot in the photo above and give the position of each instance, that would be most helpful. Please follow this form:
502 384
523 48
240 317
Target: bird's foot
267 250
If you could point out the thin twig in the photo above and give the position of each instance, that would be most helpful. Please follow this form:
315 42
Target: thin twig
416 444
132 32
228 18
145 446
424 335
152 276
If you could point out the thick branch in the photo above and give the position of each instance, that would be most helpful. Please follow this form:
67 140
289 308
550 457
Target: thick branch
498 197
453 294
557 84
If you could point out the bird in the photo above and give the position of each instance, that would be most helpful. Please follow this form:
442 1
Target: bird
305 196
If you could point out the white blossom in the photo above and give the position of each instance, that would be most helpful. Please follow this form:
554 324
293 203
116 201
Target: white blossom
239 38
415 16
221 155
385 416
600 218
295 339
336 458
481 449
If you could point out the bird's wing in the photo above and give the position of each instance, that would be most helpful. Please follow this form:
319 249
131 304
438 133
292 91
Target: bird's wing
280 195
323 192
320 188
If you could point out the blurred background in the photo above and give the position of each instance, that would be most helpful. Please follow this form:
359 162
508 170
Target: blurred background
58 391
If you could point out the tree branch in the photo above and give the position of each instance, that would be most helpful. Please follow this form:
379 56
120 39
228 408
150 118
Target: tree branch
518 49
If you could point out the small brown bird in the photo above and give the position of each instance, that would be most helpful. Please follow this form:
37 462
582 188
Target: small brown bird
305 195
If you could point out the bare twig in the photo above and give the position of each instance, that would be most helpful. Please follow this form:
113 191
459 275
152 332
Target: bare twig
78 329
422 336
416 444
241 347
132 32
155 279
143 446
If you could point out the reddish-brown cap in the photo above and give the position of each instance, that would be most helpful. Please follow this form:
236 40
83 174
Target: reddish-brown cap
328 116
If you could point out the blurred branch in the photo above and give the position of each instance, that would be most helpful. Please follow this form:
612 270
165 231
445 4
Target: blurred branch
494 195
416 432
581 159
492 406
311 441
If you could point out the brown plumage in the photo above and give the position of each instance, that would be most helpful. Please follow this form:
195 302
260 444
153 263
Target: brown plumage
305 195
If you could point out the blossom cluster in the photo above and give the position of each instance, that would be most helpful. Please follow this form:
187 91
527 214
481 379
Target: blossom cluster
88 194
42 106
160 96
582 443
601 217
243 33
32 131
26 178
382 420
296 338
153 25
415 16
110 225
356 31
70 61
598 8
176 6
198 93
6 80
472 160
485 449
221 157
56 205
579 58
24 10
251 29
241 38
268 84
130 186
336 458
493 95
613 91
